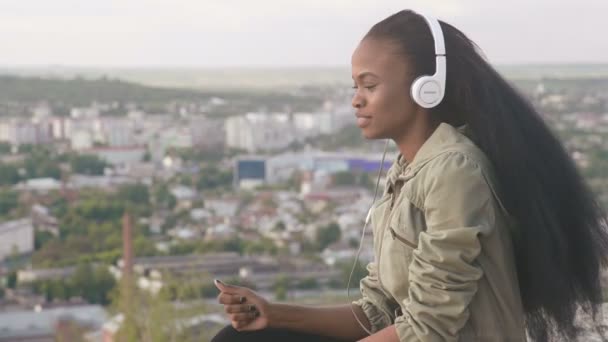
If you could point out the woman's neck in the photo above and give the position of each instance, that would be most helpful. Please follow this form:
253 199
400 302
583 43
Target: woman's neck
412 141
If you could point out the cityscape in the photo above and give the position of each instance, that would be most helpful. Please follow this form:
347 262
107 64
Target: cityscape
121 202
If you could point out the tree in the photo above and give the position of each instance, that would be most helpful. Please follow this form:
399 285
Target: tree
144 246
164 197
279 227
9 174
9 200
41 238
134 193
87 164
260 246
281 285
92 283
155 318
5 147
25 148
146 157
210 177
11 280
328 235
41 162
359 272
307 284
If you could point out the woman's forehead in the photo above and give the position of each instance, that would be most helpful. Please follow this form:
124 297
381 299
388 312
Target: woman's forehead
374 57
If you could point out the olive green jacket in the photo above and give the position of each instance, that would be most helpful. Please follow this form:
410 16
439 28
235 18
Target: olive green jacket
444 268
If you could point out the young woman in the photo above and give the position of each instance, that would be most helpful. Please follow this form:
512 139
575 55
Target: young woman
485 231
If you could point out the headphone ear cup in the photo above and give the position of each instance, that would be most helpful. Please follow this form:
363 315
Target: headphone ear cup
415 89
426 92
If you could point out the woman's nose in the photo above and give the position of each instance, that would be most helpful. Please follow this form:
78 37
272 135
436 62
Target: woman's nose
357 101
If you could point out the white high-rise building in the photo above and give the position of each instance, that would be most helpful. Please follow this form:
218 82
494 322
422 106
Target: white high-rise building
259 132
207 132
117 132
306 125
81 140
21 131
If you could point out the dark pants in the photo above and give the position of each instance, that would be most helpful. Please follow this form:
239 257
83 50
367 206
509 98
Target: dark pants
229 334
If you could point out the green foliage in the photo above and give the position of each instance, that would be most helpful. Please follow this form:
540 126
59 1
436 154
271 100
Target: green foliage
327 235
134 193
5 148
359 273
92 283
87 164
155 318
144 246
91 229
25 148
211 177
9 200
98 210
260 246
40 162
9 174
164 198
41 238
281 286
147 157
308 284
186 288
11 280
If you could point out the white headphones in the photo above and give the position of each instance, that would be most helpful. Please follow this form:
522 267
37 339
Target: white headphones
428 90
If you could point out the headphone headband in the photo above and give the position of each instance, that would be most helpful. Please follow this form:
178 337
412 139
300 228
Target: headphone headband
428 90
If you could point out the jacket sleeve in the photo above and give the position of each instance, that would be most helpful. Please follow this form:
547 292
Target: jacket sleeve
374 302
458 208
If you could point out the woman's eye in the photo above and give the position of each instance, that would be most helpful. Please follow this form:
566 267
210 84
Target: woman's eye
370 87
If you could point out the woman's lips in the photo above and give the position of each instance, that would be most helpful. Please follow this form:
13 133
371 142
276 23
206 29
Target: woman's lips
363 121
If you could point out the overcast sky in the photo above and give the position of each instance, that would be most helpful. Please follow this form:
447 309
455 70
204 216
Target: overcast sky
220 33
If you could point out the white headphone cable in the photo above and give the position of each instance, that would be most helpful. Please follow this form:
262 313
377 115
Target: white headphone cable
367 219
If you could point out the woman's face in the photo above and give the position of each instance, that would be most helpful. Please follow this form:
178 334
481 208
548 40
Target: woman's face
382 80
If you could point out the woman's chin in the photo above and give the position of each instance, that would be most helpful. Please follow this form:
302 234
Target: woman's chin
370 134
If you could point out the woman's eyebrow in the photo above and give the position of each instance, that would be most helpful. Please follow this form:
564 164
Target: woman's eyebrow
366 74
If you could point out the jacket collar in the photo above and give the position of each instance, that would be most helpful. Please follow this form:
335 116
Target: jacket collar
444 136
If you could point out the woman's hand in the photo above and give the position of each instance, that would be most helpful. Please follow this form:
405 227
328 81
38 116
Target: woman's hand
248 311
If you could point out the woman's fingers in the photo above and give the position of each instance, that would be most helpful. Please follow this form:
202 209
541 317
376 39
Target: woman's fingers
239 308
227 298
223 287
243 316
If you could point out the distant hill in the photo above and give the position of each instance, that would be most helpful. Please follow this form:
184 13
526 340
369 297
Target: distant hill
32 89
300 89
277 79
79 91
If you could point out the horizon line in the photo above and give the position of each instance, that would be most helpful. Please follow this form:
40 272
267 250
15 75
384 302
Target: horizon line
254 67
